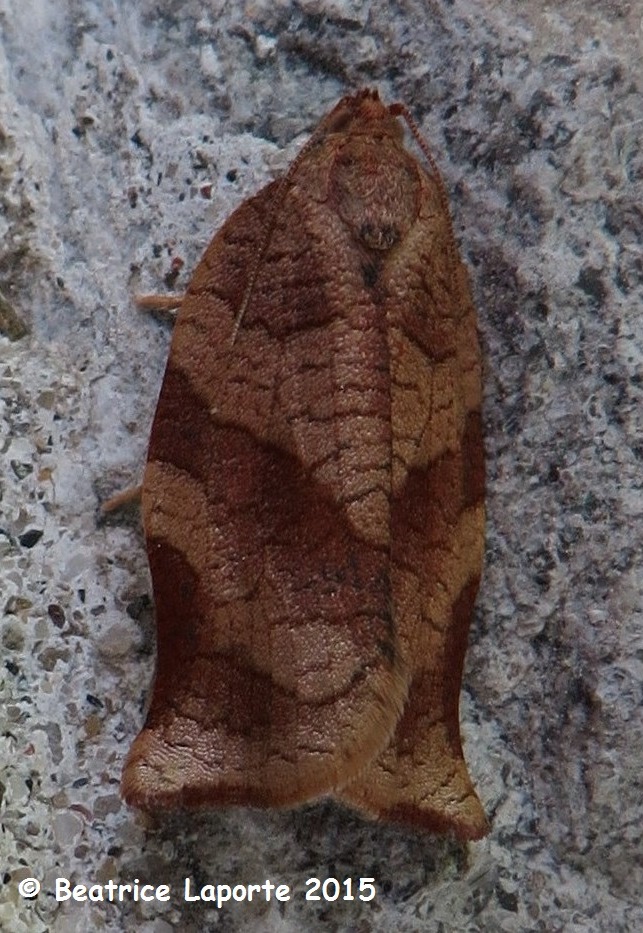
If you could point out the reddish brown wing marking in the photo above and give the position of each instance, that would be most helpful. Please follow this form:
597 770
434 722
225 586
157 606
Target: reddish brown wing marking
313 497
437 546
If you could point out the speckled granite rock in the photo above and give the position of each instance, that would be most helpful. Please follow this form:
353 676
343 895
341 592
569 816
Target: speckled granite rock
127 133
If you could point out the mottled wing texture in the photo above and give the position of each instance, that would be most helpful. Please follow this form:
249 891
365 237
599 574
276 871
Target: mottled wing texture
313 498
437 534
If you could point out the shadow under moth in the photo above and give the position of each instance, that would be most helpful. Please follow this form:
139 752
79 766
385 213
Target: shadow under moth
313 501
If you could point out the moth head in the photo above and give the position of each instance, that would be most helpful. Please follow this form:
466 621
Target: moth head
362 114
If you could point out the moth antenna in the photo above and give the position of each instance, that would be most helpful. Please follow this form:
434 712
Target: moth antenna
401 110
278 200
257 265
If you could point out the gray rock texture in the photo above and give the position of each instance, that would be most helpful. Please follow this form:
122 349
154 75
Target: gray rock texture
128 132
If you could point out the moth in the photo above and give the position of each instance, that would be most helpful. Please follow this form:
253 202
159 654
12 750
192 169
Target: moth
313 500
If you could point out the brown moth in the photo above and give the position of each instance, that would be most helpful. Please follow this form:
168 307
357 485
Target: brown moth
313 500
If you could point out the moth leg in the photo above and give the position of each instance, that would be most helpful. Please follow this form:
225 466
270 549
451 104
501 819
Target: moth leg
165 305
122 499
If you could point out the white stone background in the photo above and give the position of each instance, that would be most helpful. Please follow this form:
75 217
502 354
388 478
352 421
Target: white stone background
128 132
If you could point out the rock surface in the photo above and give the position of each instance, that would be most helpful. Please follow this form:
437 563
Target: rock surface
128 132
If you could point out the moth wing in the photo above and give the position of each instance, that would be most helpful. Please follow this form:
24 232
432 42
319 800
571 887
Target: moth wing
437 536
278 673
